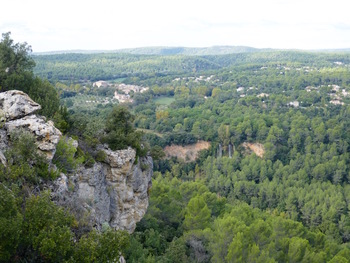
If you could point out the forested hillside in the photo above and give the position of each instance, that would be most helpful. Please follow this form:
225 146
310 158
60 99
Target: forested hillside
108 66
273 186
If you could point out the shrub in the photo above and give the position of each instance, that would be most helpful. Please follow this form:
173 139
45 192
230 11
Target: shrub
64 158
25 162
101 156
120 133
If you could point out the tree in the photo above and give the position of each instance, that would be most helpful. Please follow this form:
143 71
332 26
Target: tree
236 250
176 252
157 152
197 214
64 157
120 132
46 229
10 224
297 249
45 94
215 92
16 72
16 65
224 134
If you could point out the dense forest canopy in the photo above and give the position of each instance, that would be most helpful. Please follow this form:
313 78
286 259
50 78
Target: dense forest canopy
272 187
78 67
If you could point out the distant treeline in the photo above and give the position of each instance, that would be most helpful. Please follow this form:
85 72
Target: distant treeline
76 67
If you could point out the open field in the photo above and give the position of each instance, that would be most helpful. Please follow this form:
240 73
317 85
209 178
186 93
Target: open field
164 100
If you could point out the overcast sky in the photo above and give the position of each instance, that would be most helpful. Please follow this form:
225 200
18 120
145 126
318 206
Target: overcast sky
51 25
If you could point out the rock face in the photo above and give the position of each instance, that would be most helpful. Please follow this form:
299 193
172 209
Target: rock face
46 134
15 104
17 112
114 192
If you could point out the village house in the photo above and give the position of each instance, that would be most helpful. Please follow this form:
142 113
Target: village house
123 92
262 95
294 104
100 83
336 102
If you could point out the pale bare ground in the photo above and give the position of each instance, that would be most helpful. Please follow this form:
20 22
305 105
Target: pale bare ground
257 148
188 153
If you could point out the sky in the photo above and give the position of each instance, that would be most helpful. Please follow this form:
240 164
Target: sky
53 25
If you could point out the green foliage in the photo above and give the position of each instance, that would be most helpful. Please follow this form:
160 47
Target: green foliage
288 204
47 228
176 252
35 229
45 94
157 152
179 212
164 100
101 156
120 131
16 64
25 164
16 72
43 232
197 214
62 119
64 158
101 247
10 224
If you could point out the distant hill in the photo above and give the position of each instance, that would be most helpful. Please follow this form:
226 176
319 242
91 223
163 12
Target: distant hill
189 51
115 65
192 51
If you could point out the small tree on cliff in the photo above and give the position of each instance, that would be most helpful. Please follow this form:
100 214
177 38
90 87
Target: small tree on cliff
16 72
120 132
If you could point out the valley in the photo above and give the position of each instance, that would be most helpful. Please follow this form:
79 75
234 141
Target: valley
261 136
249 152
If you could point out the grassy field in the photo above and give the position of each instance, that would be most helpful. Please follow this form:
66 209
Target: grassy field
87 101
164 100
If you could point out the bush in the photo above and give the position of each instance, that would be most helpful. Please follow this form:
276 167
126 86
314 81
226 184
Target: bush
64 158
25 163
101 156
120 133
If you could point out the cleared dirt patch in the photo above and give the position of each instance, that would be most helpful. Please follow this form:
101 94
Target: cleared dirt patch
257 148
188 153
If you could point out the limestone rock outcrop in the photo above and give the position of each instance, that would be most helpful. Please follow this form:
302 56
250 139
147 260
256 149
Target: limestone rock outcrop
16 104
114 192
17 112
46 134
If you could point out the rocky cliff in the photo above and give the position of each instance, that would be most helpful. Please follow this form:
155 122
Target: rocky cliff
111 193
17 112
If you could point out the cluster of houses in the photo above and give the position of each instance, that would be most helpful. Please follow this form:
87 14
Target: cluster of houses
337 93
123 92
196 79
